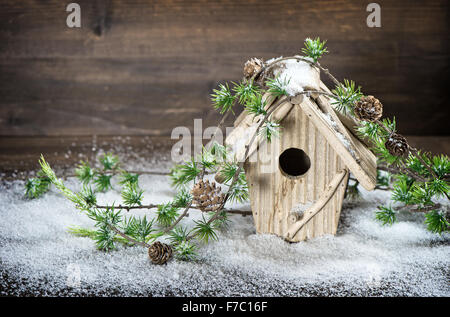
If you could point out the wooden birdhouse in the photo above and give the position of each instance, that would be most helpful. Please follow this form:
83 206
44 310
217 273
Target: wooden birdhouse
297 182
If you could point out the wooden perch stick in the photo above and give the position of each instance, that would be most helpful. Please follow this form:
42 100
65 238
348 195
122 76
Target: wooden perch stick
318 205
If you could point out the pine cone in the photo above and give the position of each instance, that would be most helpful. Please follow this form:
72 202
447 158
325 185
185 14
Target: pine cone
252 66
159 252
368 108
397 145
207 196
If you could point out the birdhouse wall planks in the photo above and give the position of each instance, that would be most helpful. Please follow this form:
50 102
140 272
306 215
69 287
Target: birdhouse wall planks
297 182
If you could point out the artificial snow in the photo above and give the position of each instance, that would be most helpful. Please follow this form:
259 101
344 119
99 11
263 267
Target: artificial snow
39 257
340 136
301 208
298 75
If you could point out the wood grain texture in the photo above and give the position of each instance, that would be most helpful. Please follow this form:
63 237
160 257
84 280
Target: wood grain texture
273 195
20 154
365 169
144 67
315 212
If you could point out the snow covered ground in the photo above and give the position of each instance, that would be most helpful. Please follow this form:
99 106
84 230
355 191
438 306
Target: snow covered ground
38 257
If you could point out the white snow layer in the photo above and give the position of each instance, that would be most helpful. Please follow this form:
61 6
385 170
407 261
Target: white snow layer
298 75
340 136
39 257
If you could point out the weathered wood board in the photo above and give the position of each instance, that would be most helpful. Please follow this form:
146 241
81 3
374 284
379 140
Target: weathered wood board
144 67
273 195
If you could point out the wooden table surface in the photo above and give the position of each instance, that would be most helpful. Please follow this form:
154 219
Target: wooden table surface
19 155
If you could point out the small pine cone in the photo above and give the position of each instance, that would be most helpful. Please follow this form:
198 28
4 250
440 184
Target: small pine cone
252 66
368 108
159 252
397 145
207 196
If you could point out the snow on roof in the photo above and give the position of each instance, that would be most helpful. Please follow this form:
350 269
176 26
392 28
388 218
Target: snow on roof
358 158
300 76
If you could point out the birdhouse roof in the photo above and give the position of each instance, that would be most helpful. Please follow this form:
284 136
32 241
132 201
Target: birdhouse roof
338 129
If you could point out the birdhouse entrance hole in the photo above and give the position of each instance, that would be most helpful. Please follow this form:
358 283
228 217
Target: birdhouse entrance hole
294 162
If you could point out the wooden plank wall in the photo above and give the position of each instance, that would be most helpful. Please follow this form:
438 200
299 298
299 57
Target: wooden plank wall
273 195
144 67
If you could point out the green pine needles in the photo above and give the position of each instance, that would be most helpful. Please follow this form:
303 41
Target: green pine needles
256 106
132 195
126 177
345 96
436 221
182 199
205 230
239 190
85 173
113 228
183 174
186 251
314 48
417 189
92 233
417 179
178 235
109 162
269 130
210 161
88 196
105 221
166 214
38 186
102 182
139 229
386 215
277 86
245 91
223 99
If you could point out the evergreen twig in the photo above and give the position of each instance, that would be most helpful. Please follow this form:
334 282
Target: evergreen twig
419 177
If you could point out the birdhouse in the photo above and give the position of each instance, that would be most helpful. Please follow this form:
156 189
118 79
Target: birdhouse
297 182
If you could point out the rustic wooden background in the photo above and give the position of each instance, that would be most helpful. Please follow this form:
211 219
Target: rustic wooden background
143 67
